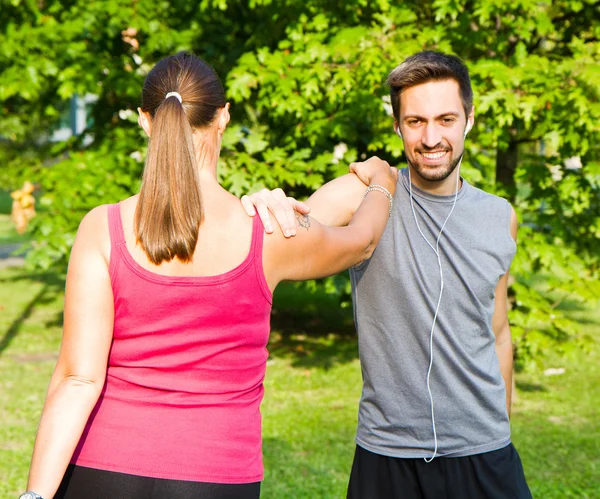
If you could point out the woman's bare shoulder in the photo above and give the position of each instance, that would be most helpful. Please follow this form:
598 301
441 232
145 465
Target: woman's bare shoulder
93 233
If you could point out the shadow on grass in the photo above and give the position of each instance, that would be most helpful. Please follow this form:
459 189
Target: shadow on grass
304 351
530 387
311 328
51 284
570 305
53 280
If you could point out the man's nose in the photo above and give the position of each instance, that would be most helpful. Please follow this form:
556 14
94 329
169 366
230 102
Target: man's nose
431 135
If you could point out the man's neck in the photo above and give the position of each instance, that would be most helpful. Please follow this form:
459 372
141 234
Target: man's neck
445 187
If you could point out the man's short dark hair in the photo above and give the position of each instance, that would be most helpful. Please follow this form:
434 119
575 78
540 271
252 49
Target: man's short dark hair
427 66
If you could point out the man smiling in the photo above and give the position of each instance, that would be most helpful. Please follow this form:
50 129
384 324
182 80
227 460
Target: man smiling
430 307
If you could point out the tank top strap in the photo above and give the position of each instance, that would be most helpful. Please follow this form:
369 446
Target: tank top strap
115 226
256 255
258 232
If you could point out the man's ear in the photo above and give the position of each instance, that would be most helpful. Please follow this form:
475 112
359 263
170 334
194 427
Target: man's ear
224 118
397 129
145 121
471 119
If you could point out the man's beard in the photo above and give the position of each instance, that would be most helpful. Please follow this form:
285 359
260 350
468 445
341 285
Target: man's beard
437 174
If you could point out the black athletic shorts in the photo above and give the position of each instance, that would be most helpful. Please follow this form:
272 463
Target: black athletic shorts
80 482
491 475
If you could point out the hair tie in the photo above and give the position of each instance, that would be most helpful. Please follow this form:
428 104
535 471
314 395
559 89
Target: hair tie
173 94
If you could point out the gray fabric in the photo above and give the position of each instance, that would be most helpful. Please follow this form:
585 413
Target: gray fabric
395 294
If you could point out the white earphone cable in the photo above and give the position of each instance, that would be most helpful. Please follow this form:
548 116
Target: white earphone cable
437 308
436 250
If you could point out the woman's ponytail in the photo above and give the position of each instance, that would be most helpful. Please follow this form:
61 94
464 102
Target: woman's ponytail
169 210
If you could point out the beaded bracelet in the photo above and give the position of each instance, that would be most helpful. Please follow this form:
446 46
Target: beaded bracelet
383 190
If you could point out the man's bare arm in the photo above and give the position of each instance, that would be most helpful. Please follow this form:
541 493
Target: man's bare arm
332 205
335 202
504 346
501 326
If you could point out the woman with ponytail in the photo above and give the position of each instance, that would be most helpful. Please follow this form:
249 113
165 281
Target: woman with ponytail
159 379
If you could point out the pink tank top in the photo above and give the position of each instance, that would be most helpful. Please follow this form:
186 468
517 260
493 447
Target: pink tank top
185 372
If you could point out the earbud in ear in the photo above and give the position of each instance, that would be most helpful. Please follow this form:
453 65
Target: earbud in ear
398 132
468 128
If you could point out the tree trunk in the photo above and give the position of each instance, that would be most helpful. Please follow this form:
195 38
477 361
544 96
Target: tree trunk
506 165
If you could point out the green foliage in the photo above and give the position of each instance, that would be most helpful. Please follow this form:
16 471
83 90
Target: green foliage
72 186
306 78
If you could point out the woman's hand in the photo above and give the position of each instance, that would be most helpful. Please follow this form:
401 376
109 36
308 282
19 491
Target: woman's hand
283 208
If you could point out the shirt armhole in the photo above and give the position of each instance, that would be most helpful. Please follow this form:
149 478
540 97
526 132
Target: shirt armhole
509 235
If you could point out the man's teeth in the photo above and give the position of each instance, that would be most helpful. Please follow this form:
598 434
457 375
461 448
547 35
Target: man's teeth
434 155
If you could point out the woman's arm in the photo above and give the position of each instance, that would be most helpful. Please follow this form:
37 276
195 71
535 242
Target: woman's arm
80 372
318 250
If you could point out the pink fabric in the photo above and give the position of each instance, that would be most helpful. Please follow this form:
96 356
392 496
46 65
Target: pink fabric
185 372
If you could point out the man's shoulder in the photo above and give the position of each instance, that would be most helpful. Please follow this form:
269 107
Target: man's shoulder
475 194
490 212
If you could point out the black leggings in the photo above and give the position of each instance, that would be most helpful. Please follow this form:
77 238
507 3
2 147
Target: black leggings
89 483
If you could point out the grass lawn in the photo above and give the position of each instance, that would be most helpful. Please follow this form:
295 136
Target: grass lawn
312 391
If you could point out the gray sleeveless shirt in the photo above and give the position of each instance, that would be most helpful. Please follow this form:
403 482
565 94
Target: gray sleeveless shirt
395 294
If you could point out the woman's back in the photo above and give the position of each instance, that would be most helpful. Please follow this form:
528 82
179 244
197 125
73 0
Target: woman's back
185 370
223 239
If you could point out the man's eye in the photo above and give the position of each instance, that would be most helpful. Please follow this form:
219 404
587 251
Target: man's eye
448 120
413 122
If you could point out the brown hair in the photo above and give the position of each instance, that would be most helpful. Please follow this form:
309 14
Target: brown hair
429 66
169 210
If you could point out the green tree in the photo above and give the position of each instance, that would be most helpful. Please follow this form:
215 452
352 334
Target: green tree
306 79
